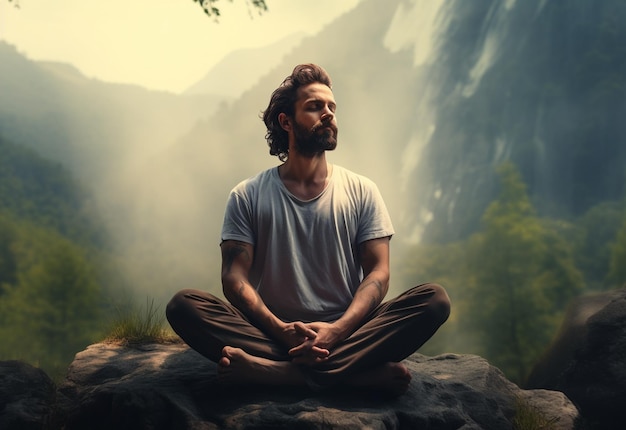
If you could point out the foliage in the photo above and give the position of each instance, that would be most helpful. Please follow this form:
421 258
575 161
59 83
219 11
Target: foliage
210 8
509 283
523 276
135 325
52 293
591 237
50 304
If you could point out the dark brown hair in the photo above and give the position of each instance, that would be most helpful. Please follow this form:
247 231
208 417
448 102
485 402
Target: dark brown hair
283 100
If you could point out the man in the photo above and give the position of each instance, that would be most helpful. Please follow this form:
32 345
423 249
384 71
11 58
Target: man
305 266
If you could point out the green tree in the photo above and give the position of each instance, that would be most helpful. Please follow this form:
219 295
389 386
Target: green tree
520 276
596 229
53 309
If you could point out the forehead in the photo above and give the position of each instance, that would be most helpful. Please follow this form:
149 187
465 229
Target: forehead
315 91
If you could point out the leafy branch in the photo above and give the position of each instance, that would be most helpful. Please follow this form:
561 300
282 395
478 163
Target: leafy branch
210 8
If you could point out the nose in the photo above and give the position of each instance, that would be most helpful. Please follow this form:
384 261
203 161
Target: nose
327 114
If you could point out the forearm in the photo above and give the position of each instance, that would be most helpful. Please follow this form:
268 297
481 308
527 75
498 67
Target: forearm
244 297
368 296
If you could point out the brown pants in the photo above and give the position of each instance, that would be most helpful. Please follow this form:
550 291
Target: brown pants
392 332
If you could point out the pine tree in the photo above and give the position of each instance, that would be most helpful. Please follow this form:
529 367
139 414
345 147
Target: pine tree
521 275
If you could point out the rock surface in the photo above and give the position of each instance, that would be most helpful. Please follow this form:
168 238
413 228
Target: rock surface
587 361
173 387
26 396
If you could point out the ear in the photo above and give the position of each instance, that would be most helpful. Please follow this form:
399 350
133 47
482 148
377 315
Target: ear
285 121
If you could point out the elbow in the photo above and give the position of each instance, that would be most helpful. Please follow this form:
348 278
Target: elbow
229 284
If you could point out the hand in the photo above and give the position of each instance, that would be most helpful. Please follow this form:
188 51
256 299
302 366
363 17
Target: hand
320 337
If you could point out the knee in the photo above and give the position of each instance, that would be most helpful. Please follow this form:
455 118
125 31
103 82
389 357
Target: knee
177 307
440 304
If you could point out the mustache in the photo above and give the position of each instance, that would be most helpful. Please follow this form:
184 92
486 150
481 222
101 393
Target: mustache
319 125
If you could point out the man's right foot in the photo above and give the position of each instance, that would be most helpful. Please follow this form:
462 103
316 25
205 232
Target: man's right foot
237 367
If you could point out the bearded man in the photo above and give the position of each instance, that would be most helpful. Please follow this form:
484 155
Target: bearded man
305 266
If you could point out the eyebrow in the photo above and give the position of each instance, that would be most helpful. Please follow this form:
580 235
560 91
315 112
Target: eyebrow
318 100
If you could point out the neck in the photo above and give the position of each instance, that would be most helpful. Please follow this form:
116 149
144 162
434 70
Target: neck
305 170
304 177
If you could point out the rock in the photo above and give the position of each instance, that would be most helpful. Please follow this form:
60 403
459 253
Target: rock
586 361
27 396
173 387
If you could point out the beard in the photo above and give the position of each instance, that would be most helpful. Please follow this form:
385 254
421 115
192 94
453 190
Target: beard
310 143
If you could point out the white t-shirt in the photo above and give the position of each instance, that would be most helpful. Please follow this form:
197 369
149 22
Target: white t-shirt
306 265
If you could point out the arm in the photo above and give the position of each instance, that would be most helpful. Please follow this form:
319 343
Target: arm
374 256
237 258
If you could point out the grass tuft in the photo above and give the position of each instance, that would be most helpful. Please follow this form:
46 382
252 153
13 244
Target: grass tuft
528 417
141 326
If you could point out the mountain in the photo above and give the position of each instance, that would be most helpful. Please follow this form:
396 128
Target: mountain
241 69
537 83
45 194
89 125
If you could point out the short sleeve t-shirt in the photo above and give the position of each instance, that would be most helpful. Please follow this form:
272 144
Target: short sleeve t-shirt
306 265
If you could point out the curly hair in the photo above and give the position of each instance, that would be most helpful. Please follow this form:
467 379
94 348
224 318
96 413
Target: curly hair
283 101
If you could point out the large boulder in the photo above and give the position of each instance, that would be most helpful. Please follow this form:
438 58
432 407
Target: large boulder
170 386
27 397
587 360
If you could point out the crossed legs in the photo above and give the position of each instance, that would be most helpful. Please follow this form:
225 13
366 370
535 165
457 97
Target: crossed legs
370 356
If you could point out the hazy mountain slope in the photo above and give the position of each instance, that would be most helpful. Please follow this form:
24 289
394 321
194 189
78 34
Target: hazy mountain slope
241 69
89 125
44 193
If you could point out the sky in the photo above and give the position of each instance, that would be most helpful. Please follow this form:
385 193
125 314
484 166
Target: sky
163 45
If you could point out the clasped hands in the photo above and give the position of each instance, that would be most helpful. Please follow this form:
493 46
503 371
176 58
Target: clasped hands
310 343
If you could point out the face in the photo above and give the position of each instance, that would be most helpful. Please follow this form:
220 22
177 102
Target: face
315 125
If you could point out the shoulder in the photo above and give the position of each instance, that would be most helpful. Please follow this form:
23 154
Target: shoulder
253 183
351 179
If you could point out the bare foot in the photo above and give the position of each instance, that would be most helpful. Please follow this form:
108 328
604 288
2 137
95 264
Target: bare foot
390 378
238 367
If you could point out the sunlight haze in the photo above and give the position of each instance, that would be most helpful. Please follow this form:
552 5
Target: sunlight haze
159 44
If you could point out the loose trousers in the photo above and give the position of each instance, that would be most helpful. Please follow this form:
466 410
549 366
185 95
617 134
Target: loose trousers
393 331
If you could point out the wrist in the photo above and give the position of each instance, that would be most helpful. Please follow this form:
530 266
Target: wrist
277 328
341 328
